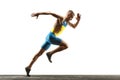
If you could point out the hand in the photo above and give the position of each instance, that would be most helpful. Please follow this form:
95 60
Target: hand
78 16
35 15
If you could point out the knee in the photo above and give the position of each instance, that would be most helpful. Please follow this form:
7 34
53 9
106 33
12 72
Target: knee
65 46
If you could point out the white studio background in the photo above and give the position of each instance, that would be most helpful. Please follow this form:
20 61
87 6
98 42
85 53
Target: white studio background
94 46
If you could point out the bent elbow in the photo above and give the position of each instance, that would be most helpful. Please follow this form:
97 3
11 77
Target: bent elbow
74 27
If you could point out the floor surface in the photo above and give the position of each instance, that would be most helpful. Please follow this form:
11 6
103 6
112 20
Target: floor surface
60 77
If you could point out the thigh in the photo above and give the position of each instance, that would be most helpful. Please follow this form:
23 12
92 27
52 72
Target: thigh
55 40
46 45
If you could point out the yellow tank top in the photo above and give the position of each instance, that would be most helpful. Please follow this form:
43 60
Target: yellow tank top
64 24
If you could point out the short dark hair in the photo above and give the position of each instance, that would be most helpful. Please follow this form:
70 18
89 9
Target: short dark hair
71 12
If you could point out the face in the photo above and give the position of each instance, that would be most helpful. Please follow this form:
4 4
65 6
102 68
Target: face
70 15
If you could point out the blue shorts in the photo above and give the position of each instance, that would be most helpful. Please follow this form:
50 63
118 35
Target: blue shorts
51 39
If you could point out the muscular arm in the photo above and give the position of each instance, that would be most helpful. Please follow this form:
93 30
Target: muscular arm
46 13
75 24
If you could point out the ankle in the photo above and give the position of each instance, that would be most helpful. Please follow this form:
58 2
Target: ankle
50 53
28 67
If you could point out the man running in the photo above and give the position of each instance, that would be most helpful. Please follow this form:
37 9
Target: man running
52 38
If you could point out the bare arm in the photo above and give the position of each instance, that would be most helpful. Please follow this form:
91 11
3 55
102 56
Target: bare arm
75 24
46 13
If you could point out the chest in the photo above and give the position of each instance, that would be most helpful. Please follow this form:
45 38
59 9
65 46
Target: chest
60 23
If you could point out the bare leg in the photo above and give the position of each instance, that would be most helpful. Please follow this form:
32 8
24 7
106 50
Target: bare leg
36 57
28 68
61 47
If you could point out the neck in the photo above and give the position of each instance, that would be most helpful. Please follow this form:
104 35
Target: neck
66 19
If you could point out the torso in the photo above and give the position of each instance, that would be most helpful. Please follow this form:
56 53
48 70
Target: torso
59 26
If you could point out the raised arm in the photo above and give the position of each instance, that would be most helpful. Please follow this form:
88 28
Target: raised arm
46 13
75 24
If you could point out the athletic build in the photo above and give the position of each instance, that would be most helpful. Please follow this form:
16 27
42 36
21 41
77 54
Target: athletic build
52 38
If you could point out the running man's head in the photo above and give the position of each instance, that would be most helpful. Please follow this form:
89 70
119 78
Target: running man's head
70 15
